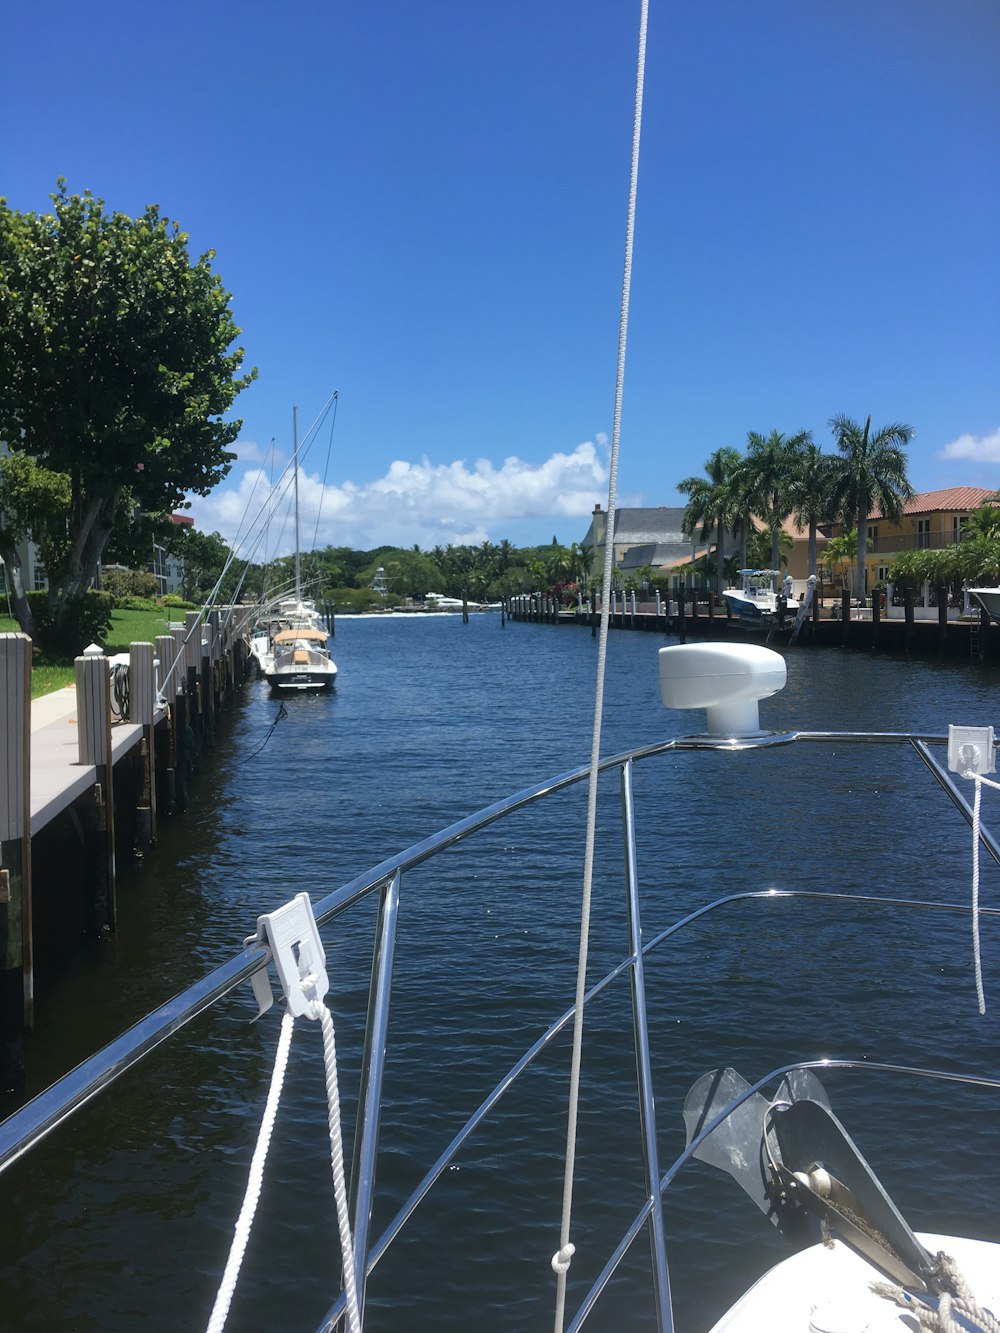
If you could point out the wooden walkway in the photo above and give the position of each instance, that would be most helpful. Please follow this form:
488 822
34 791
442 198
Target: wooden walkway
57 776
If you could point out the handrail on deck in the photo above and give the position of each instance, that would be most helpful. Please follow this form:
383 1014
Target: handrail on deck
33 1122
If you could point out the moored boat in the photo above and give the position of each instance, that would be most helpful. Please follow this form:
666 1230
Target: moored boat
763 599
299 659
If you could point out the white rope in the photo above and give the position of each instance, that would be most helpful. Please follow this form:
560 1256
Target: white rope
245 1220
561 1260
320 1011
979 780
317 1010
957 1309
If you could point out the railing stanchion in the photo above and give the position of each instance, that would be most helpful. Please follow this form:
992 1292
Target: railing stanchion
643 1064
362 1182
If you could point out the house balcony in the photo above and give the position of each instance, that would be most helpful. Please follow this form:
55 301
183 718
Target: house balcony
912 541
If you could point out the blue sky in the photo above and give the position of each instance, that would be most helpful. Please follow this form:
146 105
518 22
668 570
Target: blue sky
421 204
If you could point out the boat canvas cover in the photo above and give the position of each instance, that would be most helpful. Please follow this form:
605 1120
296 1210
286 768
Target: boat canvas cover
291 635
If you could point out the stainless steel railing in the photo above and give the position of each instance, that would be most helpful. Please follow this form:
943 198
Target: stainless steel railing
33 1122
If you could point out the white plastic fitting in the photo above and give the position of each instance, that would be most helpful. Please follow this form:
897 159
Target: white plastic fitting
726 679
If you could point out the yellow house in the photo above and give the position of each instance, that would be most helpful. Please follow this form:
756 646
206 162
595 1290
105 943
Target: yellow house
931 521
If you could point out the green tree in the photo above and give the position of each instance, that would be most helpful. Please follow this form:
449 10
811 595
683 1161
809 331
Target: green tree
33 503
204 556
812 495
714 501
771 470
115 370
840 552
870 474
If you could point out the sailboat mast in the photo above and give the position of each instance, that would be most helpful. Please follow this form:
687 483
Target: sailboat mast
298 556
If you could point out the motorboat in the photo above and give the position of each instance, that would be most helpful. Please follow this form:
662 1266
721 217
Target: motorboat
762 598
857 1265
299 659
989 600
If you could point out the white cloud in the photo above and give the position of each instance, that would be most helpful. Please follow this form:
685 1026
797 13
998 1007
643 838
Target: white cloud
975 448
426 503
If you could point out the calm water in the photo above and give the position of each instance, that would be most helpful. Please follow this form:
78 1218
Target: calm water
124 1217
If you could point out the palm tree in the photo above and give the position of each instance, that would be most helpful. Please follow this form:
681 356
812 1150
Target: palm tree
811 503
772 465
870 474
840 552
713 501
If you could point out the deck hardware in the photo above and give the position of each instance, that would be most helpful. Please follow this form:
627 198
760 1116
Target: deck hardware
971 750
293 938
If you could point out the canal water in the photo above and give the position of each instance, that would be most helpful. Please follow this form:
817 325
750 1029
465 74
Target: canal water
123 1217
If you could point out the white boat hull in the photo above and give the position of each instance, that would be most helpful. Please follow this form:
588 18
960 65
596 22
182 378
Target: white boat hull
829 1287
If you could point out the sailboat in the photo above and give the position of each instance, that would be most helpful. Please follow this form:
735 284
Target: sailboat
299 656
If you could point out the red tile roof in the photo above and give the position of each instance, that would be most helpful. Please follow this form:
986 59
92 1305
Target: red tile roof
952 498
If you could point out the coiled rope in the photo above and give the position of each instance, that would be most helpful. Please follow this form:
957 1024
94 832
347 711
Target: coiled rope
957 1308
319 1011
563 1256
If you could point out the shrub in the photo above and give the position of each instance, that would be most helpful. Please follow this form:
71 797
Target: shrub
85 620
122 583
174 599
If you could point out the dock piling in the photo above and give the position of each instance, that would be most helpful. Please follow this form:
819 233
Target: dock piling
16 950
97 812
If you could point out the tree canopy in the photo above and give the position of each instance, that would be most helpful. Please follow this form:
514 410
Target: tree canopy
117 367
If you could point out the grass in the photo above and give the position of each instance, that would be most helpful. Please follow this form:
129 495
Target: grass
126 627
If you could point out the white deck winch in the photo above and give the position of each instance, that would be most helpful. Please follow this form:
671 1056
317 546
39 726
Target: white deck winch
726 679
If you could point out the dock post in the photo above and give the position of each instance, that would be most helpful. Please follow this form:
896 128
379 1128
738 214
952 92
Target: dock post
942 610
207 669
681 621
845 618
17 975
195 703
908 614
141 702
166 652
181 715
876 618
97 815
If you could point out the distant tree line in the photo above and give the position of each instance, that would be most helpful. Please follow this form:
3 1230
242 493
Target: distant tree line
483 573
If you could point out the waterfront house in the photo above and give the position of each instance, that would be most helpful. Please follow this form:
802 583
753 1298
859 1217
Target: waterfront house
931 521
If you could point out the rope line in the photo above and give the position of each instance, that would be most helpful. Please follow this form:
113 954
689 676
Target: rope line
319 1010
281 713
980 782
957 1311
245 1220
561 1260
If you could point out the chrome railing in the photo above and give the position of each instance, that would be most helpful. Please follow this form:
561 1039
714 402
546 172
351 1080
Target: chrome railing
27 1127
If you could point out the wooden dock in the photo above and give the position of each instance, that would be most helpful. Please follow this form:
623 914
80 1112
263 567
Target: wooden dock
91 768
974 638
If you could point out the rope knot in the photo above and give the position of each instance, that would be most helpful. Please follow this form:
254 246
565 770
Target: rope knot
562 1258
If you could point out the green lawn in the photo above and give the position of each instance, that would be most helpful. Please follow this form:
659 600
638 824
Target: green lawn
126 627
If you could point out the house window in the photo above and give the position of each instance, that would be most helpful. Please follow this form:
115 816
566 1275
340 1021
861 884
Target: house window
958 522
881 573
923 533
